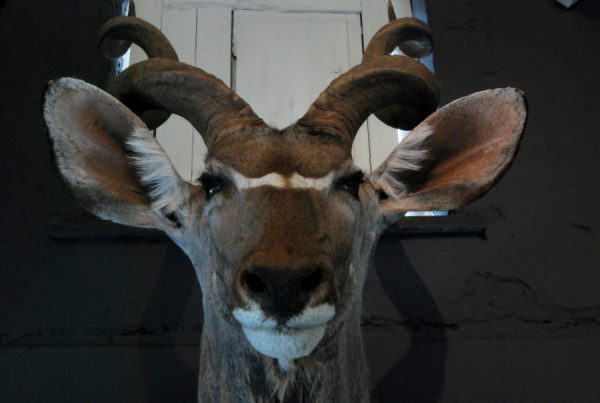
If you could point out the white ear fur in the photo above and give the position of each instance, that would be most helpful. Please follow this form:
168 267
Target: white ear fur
407 156
167 190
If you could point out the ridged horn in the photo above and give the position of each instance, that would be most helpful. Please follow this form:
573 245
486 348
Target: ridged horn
117 34
411 35
400 89
201 98
161 85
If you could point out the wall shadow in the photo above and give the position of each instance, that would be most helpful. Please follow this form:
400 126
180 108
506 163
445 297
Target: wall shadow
419 375
173 322
588 9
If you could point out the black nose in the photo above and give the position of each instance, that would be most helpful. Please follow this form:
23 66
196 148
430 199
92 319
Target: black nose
283 293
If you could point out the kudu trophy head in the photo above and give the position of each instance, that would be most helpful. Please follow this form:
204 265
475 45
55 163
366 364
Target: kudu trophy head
280 225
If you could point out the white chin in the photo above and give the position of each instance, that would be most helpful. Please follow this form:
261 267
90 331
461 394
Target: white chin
285 345
297 338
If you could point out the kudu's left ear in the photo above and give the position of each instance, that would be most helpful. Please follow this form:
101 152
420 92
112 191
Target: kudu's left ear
454 156
109 159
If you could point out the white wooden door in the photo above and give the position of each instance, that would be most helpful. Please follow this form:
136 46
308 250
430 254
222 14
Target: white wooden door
277 55
284 61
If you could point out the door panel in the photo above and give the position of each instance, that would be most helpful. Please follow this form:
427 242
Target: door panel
177 135
213 55
285 55
285 60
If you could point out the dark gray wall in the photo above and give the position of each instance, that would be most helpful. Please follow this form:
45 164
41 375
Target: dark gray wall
514 317
80 320
95 313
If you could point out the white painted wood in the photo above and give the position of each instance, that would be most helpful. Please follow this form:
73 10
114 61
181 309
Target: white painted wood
285 60
382 138
213 51
176 135
151 11
213 54
402 8
352 6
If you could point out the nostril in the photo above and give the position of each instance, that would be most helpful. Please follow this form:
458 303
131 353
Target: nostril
283 292
312 281
254 282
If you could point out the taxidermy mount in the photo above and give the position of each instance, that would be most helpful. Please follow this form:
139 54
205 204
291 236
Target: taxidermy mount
280 225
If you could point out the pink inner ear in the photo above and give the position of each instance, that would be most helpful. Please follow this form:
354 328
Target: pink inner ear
475 139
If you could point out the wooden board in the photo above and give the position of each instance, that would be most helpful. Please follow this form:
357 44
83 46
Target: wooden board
333 32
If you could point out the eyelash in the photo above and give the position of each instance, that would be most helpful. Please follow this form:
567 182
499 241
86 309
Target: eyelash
212 184
351 183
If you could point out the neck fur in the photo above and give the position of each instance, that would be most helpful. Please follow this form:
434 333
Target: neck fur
232 371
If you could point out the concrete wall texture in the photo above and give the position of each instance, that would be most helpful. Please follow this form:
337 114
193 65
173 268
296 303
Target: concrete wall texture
97 314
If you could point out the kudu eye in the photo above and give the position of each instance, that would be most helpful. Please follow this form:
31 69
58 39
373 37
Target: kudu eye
351 183
212 184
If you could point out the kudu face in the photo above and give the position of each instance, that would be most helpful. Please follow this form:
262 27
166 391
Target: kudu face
280 225
281 221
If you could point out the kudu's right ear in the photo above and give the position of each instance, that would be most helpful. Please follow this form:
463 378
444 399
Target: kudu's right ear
109 159
454 156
